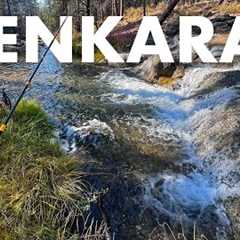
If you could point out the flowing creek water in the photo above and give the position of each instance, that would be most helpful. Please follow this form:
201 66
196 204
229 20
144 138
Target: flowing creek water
153 125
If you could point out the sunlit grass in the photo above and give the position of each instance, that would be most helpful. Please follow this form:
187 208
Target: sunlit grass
42 192
229 8
134 14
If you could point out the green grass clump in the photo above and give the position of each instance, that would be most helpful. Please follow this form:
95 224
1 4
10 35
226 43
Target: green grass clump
42 194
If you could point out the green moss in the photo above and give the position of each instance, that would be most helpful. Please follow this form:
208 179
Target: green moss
39 185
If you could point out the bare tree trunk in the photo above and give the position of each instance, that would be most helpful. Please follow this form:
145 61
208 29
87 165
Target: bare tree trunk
121 7
220 2
144 7
64 8
168 11
114 8
78 22
9 8
88 7
2 7
101 11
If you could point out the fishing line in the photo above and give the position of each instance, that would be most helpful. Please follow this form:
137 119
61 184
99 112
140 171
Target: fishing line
3 126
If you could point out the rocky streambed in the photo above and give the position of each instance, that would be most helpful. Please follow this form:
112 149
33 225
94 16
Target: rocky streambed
164 157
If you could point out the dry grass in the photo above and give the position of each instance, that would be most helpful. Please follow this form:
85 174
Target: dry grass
132 14
229 8
188 11
165 232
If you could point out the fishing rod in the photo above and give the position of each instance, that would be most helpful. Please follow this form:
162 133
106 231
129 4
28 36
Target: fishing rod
3 126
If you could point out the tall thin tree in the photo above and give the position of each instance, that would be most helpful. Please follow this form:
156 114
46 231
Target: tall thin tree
2 7
9 8
88 6
122 7
144 7
168 11
114 8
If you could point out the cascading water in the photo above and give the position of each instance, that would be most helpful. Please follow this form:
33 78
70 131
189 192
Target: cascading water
184 179
182 194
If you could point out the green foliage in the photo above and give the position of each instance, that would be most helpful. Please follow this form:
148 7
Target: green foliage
49 12
77 46
42 194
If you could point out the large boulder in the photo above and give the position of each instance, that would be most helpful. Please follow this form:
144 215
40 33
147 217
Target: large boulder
152 69
216 81
150 153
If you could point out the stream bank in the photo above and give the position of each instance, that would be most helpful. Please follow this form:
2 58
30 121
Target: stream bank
174 157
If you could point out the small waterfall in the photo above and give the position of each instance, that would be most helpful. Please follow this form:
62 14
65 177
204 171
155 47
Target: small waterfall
186 194
189 182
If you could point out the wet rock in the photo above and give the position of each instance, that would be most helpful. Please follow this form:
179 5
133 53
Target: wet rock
232 206
91 134
217 45
149 152
216 136
179 195
128 218
218 130
172 28
152 69
223 23
217 51
216 81
213 224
